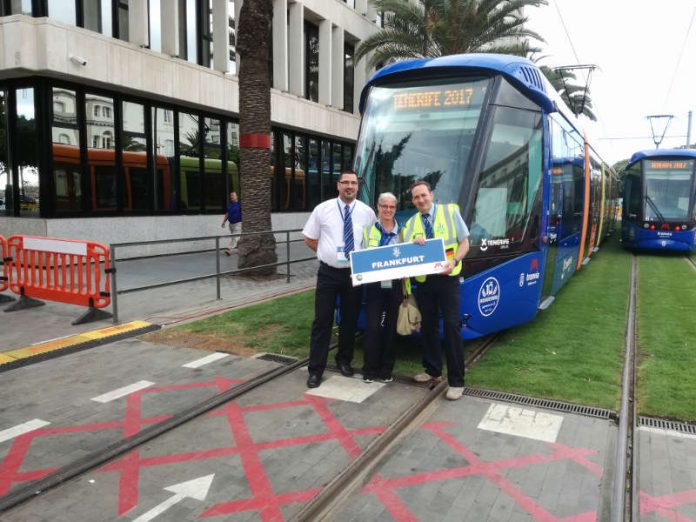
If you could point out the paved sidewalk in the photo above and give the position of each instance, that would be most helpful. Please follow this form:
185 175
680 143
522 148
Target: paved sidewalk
161 305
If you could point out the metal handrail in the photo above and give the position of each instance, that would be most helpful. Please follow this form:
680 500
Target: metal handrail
218 273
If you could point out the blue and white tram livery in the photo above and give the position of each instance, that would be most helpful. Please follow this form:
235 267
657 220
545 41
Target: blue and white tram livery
658 201
489 133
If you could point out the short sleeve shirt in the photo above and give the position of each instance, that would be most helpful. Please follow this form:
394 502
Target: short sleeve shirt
460 227
326 224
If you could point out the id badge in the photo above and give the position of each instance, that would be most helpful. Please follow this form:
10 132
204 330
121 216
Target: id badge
385 284
341 255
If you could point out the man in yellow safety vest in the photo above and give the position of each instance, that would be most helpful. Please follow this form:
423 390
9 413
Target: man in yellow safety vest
440 292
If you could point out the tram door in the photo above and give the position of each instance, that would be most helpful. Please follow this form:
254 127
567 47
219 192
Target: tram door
565 205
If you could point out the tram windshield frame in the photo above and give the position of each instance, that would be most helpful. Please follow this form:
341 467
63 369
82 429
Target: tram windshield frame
409 134
485 156
668 189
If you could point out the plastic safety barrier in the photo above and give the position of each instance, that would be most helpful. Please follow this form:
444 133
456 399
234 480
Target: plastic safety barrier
4 271
62 270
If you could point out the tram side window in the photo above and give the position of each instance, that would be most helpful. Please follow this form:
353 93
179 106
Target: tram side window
510 178
632 194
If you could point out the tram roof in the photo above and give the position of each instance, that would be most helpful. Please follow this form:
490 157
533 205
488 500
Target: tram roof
522 73
662 153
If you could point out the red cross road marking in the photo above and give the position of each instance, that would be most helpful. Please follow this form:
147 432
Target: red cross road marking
13 461
385 489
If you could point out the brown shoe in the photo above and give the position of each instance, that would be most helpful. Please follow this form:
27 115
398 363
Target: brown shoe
426 377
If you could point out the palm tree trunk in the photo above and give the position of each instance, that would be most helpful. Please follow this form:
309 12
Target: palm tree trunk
254 36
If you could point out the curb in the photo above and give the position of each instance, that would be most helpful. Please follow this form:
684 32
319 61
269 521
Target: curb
74 343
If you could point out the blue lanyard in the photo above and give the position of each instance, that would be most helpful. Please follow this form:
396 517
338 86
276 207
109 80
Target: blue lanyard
340 212
385 237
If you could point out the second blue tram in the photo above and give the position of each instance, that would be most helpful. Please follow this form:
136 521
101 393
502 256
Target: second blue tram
658 201
490 133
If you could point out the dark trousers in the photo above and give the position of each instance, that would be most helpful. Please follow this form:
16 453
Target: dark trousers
441 294
381 308
333 282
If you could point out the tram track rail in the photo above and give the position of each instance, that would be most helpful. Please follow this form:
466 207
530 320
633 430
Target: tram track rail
360 470
117 449
624 499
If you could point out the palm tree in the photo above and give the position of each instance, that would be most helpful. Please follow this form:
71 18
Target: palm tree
432 28
253 43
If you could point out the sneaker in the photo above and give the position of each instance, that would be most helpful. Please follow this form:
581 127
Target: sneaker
388 378
455 392
426 377
368 379
228 253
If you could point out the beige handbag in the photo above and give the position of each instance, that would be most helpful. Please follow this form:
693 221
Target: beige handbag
409 319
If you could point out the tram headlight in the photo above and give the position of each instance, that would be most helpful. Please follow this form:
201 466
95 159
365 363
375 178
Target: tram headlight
645 225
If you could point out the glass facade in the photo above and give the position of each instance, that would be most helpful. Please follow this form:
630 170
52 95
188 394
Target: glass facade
312 62
6 191
110 154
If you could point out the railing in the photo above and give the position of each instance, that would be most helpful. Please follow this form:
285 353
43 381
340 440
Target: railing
4 270
218 272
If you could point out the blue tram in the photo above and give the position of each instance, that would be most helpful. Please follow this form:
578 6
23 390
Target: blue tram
658 200
490 133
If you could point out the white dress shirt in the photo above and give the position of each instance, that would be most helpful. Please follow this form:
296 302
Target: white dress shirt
326 225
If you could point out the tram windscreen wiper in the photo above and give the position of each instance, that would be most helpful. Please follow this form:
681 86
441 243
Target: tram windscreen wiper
654 207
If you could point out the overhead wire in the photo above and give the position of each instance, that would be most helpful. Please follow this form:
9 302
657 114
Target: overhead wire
577 59
681 54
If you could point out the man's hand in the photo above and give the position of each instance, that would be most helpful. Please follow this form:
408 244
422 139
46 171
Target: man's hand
222 226
420 240
449 266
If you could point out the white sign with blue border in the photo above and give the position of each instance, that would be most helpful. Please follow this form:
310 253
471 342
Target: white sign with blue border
397 261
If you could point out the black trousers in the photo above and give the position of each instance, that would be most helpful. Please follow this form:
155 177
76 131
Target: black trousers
333 282
381 308
441 294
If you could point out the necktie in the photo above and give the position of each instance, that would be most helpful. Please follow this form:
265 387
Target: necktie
347 231
427 226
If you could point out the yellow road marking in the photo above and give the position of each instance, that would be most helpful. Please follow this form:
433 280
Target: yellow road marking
66 342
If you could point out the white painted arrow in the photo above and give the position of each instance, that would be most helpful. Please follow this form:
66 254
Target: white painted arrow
196 488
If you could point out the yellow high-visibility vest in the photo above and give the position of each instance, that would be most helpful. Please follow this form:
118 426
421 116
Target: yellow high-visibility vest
443 227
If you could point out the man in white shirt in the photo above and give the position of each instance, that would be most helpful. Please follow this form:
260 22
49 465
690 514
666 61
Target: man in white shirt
332 232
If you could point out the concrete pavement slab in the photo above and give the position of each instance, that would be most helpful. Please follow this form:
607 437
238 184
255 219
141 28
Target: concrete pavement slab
269 450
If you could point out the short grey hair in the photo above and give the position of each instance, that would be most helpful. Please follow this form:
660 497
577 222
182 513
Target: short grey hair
385 195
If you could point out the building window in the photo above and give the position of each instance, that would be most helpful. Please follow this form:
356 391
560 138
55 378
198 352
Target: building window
232 39
122 32
134 176
6 190
190 178
348 76
163 188
62 11
16 7
155 24
205 19
101 156
26 153
96 16
189 14
312 62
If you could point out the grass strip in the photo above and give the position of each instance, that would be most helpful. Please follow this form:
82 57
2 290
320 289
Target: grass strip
574 350
666 308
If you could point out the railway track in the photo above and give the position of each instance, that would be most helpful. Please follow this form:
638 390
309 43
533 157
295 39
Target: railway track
624 504
112 451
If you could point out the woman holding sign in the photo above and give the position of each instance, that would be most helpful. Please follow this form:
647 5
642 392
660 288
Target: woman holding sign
383 298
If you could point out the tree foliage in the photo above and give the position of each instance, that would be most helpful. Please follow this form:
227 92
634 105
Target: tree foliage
432 28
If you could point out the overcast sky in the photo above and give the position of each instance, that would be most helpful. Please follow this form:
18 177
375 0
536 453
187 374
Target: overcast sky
637 45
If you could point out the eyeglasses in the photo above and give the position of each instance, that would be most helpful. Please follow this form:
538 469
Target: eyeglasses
388 207
345 182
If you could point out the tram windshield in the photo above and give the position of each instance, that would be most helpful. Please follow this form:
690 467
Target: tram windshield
668 189
413 131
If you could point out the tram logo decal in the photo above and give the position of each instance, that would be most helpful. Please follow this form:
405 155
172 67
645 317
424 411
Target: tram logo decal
502 243
489 296
396 252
